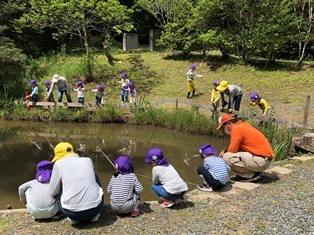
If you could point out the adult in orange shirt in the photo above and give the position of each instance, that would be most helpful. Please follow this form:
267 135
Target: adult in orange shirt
249 152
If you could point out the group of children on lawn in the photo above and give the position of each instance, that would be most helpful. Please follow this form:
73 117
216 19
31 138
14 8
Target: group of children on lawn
224 94
128 91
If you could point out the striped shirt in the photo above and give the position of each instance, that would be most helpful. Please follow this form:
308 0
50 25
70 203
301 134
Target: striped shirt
123 187
218 168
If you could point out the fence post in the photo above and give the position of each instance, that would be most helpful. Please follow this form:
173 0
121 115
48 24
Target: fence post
177 104
306 110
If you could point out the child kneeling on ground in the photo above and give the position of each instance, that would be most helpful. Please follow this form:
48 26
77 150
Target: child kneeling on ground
124 188
167 183
214 173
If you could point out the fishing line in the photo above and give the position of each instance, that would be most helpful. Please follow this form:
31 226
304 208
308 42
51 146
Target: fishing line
99 150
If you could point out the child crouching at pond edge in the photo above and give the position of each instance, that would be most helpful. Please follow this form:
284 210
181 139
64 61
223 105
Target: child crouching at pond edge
124 188
214 173
167 183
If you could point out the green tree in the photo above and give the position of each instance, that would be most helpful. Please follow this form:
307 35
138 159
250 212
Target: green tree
78 18
12 60
305 25
173 16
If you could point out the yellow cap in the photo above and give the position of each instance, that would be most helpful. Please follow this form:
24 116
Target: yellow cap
61 150
223 85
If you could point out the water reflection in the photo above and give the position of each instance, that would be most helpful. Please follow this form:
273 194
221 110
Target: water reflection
34 142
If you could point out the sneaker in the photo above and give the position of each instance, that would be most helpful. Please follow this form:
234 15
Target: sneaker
166 203
204 187
135 212
256 176
73 222
95 218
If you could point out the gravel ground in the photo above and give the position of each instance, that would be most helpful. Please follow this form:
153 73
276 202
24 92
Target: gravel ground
278 206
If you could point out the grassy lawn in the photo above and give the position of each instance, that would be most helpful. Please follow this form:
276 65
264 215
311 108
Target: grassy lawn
161 75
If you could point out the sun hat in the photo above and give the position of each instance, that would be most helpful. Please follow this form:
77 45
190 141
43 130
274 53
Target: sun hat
32 82
206 149
254 96
124 165
156 155
100 87
223 85
47 82
44 171
62 150
192 66
79 83
124 74
55 78
216 83
223 119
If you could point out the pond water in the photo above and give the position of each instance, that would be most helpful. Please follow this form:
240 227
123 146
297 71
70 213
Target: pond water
33 142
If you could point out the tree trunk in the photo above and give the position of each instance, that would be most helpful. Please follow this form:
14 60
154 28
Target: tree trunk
89 65
107 53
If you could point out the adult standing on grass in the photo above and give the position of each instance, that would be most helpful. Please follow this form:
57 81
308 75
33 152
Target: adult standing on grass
234 95
74 178
249 152
63 87
192 75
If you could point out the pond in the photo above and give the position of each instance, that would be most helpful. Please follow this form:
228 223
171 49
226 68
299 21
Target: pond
32 142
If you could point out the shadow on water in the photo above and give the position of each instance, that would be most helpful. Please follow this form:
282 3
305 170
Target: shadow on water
34 142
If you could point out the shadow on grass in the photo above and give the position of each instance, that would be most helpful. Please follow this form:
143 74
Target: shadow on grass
217 61
147 78
182 205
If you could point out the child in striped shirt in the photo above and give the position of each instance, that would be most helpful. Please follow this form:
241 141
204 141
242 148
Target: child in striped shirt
80 92
214 173
124 188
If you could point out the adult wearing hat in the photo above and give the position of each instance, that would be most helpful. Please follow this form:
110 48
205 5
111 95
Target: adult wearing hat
234 95
36 195
74 178
63 87
249 153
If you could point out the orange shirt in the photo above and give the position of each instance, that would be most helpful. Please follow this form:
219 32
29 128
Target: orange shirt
245 137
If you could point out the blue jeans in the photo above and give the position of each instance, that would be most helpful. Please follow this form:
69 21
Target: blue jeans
159 190
86 214
81 100
211 181
60 96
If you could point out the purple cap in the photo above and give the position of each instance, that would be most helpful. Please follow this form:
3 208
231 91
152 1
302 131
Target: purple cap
44 170
79 83
156 155
216 83
254 96
206 149
192 66
100 87
32 82
131 84
124 165
47 82
124 74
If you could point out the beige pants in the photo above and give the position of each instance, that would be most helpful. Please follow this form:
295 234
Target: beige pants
245 164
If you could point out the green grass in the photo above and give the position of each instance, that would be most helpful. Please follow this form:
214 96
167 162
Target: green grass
162 75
